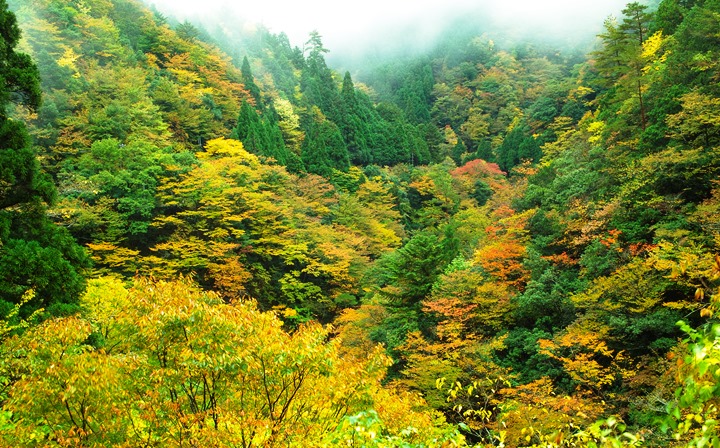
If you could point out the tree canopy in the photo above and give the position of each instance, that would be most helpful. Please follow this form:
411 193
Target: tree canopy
211 237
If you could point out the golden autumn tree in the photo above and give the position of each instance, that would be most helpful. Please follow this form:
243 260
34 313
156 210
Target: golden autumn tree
371 213
164 363
205 234
245 227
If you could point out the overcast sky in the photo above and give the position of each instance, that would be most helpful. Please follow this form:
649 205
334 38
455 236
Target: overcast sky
348 24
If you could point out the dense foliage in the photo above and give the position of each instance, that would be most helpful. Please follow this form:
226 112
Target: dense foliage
35 254
514 246
165 364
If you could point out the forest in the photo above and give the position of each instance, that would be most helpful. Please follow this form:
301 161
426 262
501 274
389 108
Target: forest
209 237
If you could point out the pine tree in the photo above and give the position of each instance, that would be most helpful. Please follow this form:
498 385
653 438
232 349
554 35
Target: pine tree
636 22
610 59
620 60
636 25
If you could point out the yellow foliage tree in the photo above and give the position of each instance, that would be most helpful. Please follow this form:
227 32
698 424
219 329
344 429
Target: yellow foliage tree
166 364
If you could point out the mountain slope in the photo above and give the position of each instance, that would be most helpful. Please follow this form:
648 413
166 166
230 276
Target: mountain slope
520 229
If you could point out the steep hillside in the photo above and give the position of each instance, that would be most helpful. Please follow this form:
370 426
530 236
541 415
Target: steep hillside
575 286
526 239
129 110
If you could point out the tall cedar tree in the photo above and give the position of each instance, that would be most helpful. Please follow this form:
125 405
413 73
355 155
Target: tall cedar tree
34 253
257 127
354 126
249 82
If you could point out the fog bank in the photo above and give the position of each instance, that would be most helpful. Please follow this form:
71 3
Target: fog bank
354 29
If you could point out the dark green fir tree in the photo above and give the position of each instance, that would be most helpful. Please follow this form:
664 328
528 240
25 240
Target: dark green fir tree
249 83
